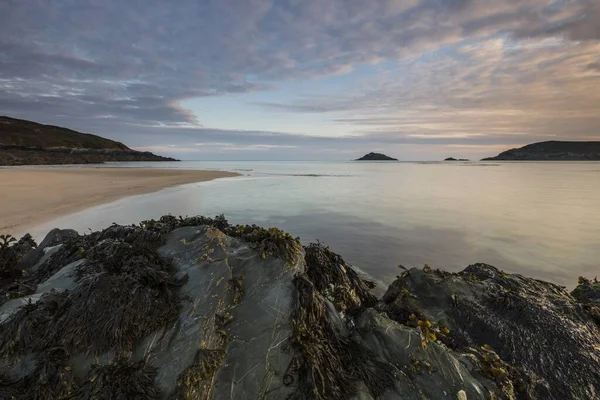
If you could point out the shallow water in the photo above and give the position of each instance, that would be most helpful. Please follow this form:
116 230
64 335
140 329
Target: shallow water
537 219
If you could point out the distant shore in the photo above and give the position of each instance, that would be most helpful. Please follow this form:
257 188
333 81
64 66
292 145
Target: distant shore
31 196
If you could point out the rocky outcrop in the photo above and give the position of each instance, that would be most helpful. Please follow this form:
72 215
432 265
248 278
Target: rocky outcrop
195 308
28 143
375 157
456 159
587 293
543 335
552 151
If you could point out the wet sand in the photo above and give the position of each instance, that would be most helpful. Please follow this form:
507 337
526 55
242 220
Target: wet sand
30 196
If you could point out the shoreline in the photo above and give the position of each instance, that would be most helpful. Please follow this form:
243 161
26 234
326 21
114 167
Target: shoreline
32 196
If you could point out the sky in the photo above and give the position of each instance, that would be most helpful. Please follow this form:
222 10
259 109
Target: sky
306 79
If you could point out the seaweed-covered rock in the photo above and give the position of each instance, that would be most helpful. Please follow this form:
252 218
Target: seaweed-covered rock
166 309
195 308
547 343
12 256
430 372
235 303
53 238
12 253
587 291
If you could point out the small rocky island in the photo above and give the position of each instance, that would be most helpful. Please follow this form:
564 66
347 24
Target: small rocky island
196 308
456 159
29 143
552 151
376 157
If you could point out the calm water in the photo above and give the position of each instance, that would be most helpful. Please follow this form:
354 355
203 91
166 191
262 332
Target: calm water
538 219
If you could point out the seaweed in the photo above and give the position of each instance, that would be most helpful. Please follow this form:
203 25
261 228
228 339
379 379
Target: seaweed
268 242
237 287
30 328
168 223
194 381
134 235
11 253
124 293
70 251
429 332
418 366
587 291
121 379
8 388
377 375
6 240
337 280
402 313
15 289
510 380
52 378
326 363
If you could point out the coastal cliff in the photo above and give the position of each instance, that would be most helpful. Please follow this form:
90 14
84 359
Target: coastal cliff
196 308
552 151
29 143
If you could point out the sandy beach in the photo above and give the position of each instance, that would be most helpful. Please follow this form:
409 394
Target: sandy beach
30 196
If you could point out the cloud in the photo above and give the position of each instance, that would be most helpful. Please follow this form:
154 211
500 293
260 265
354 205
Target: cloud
538 89
458 68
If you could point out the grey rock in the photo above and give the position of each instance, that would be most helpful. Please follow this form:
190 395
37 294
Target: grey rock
534 326
53 238
254 363
61 281
435 371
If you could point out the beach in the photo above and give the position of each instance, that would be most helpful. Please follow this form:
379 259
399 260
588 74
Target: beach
30 196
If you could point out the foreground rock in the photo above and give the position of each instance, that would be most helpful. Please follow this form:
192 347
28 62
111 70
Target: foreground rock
196 308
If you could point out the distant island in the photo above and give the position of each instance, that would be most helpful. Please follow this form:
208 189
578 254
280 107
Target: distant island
25 142
375 157
456 159
552 151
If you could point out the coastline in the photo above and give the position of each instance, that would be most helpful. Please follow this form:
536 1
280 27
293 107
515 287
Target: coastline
31 196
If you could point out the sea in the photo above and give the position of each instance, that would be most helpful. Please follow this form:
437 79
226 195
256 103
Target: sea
538 219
